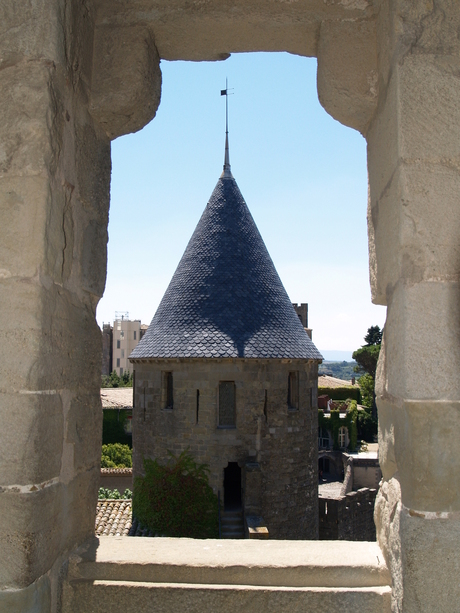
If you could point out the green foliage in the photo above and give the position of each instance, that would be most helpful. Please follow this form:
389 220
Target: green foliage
340 393
104 493
335 422
116 456
113 380
366 383
366 358
113 427
339 370
176 499
367 425
373 336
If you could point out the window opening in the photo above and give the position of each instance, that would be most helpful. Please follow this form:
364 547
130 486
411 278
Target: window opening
118 362
168 390
342 437
118 344
135 335
293 390
227 409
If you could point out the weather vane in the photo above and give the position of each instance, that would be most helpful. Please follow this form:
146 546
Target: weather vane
226 92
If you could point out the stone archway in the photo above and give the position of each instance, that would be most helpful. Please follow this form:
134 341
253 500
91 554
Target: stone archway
76 75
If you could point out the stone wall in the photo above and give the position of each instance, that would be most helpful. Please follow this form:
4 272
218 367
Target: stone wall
73 76
282 441
349 518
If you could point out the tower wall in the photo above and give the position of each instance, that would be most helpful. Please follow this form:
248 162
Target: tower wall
280 439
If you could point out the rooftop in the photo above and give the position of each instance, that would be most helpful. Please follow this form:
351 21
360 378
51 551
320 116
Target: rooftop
226 298
117 397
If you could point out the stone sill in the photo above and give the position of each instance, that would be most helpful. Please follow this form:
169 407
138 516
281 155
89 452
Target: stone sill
323 564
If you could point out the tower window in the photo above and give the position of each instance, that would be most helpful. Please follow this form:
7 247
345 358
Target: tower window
167 390
227 406
135 335
118 344
293 390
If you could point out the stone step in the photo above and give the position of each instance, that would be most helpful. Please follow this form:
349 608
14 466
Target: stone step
143 575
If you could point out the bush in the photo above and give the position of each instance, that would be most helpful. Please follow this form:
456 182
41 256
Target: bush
367 426
113 427
340 393
116 456
113 380
176 499
114 494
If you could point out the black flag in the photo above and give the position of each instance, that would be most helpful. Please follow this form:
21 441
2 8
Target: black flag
223 92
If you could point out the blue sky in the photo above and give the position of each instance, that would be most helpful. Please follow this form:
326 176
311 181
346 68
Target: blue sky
302 174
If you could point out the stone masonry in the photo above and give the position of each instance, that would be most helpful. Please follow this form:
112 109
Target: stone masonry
282 441
75 74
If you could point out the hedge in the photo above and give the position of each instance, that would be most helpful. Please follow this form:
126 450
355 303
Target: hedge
341 393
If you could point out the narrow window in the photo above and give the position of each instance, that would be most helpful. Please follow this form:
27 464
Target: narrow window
293 390
265 407
342 437
227 408
122 353
197 404
118 344
168 390
118 362
121 372
135 335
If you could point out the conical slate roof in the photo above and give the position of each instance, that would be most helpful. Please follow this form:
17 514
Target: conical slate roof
226 298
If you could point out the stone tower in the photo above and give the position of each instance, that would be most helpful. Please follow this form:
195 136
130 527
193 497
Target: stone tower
227 370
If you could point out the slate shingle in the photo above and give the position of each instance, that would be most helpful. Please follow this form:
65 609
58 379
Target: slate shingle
226 298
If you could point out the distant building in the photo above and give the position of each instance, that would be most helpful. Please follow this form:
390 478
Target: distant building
118 342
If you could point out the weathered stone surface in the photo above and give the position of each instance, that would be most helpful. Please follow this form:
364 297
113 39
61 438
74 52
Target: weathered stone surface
31 30
36 598
43 524
282 441
30 452
126 80
347 71
193 31
423 330
427 478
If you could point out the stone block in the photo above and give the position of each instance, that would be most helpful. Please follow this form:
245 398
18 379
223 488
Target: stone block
417 208
425 451
33 429
430 563
126 79
347 71
36 527
36 598
24 205
32 31
32 118
422 349
429 113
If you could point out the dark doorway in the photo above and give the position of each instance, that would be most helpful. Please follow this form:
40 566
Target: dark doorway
232 487
323 465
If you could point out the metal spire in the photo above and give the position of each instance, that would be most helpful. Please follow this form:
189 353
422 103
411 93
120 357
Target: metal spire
227 171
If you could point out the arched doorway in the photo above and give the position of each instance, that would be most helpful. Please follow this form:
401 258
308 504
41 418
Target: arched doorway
232 487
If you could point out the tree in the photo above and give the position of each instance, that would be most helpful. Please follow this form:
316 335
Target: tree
373 336
367 357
